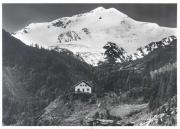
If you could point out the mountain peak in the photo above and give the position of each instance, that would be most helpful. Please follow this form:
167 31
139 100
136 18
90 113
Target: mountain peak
108 10
99 9
113 10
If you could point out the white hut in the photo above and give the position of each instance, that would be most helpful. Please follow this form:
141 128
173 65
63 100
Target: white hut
83 87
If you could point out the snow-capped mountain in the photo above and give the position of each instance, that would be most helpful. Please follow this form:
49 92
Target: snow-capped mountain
86 34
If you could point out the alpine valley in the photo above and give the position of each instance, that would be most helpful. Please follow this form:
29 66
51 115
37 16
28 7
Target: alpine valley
130 65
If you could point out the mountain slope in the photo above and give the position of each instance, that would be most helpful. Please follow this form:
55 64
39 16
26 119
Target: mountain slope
165 42
33 77
89 32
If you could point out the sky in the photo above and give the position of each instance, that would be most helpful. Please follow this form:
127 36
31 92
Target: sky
17 16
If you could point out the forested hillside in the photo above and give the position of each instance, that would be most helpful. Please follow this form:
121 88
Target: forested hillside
43 74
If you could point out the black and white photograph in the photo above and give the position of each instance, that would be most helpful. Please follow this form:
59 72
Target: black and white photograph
89 64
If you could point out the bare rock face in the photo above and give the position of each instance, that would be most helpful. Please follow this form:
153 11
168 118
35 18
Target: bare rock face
68 36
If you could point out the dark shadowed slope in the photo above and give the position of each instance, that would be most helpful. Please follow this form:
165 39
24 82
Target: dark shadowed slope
40 73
